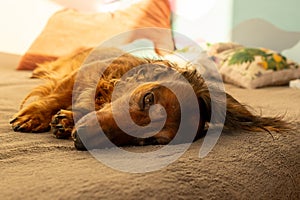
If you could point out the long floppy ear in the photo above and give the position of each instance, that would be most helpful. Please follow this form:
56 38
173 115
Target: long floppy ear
238 117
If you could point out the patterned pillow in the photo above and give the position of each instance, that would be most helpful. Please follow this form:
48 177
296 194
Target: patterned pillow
252 67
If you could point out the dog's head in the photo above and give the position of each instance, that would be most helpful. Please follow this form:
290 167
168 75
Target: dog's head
151 112
153 116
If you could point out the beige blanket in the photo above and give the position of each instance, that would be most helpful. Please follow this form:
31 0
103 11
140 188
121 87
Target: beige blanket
240 166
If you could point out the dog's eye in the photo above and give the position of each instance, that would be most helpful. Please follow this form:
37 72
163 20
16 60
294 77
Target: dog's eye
148 100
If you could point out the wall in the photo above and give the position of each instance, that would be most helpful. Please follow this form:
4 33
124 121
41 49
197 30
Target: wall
203 20
268 23
21 21
284 14
271 24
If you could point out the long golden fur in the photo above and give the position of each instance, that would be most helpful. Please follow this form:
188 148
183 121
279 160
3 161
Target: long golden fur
52 108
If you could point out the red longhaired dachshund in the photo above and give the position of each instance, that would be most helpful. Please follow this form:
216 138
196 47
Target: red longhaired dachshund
80 88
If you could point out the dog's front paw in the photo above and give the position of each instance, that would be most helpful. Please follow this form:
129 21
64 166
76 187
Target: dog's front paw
62 124
30 122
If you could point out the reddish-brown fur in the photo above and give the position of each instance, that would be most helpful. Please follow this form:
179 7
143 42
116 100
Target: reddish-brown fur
54 101
30 61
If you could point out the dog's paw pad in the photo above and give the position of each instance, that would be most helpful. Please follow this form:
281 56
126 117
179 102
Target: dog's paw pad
62 124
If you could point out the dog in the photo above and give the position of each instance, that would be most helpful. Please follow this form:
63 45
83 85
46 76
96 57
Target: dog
74 80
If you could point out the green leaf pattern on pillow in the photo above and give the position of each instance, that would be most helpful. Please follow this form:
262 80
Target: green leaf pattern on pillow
269 60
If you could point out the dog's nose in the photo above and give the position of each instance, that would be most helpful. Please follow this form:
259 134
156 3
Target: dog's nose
77 142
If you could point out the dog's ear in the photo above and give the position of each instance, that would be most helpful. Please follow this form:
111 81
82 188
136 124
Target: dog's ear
212 105
237 115
205 106
200 89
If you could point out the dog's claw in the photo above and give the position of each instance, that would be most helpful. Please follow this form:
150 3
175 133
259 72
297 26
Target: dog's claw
61 116
54 121
17 128
62 130
13 120
55 131
61 134
59 126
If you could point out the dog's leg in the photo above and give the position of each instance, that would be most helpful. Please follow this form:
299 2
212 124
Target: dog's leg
37 115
